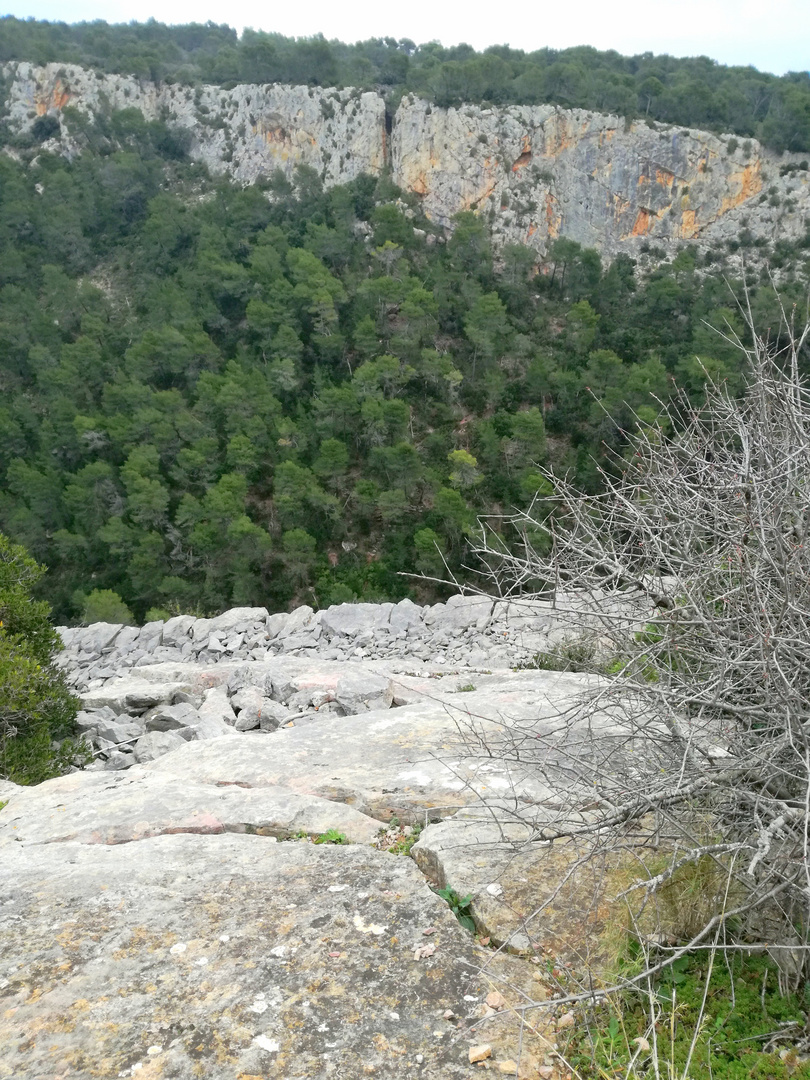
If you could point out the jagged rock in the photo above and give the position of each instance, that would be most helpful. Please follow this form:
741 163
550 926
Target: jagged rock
150 636
100 636
171 717
130 693
273 714
237 617
89 721
215 715
248 703
155 744
176 630
115 760
349 620
121 730
359 693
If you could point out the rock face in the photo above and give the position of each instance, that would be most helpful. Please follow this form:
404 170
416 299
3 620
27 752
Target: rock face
537 173
215 895
247 132
534 173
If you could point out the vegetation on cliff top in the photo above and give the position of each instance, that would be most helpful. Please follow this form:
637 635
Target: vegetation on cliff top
694 91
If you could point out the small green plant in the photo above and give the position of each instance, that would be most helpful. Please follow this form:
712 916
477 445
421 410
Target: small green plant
571 654
3 803
403 846
738 1027
466 689
459 905
331 836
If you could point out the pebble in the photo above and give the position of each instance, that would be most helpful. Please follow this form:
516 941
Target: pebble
480 1053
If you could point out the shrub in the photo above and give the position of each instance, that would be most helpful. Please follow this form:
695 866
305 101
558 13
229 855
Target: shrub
36 706
104 605
703 532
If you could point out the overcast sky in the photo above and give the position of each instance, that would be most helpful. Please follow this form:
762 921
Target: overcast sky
773 36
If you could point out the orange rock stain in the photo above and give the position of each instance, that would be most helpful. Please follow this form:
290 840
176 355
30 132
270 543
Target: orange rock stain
689 226
748 182
58 99
642 223
553 217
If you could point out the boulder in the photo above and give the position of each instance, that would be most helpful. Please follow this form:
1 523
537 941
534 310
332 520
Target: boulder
121 730
176 631
236 617
171 717
156 743
248 704
361 693
100 636
132 693
215 715
349 620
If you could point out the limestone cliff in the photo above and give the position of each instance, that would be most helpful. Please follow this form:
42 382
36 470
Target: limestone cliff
534 173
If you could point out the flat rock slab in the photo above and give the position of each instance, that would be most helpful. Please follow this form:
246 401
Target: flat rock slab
394 761
138 694
100 808
228 956
534 898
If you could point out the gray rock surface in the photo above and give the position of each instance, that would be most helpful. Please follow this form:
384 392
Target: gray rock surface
174 926
231 956
155 744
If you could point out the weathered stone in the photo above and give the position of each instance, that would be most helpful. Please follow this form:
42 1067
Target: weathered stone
233 618
170 717
534 173
132 693
215 715
113 732
360 693
156 743
176 631
393 761
533 897
272 714
84 807
100 636
248 704
233 956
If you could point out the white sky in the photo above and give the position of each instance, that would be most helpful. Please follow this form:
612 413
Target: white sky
773 36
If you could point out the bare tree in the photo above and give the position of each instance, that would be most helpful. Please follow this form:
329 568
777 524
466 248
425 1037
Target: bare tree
704 527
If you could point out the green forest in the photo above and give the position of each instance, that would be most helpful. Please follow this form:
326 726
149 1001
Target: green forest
695 91
215 395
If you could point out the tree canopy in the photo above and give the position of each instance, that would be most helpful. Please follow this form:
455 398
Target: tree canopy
691 91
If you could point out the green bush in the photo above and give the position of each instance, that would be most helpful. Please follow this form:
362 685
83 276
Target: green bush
104 605
37 710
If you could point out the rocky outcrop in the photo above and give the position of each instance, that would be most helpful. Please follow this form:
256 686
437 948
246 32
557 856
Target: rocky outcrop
538 173
220 892
534 173
247 132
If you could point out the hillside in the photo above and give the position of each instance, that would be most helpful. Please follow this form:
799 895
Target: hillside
276 345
